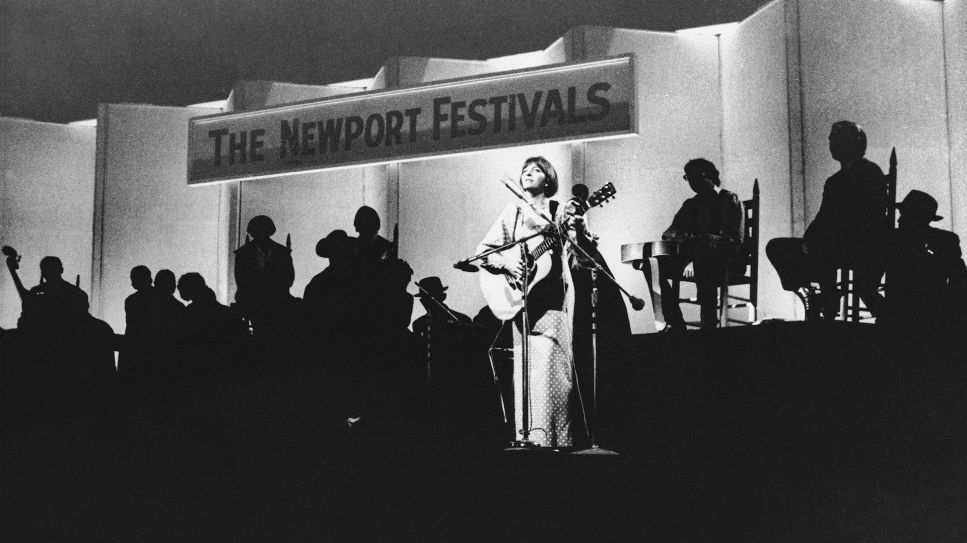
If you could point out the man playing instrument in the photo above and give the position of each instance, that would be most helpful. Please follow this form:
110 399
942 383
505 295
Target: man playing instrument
708 229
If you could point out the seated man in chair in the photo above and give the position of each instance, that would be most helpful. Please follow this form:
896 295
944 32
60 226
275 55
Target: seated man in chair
848 231
709 231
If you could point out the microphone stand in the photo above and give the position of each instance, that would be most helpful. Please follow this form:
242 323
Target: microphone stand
524 443
636 303
429 328
595 449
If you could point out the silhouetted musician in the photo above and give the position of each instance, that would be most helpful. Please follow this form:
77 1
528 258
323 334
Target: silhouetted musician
709 230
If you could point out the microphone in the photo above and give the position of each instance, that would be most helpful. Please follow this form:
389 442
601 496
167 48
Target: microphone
512 186
466 266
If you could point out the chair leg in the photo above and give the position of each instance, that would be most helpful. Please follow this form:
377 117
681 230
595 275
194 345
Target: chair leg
724 303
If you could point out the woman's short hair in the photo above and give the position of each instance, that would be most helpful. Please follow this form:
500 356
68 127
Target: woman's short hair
550 174
704 167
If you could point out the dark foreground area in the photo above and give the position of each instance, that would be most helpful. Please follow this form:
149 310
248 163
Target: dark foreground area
780 432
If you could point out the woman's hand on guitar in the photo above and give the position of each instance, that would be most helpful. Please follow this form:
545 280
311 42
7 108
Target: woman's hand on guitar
500 263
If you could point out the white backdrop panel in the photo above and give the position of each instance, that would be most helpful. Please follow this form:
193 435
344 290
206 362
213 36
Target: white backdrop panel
880 64
149 215
46 202
756 136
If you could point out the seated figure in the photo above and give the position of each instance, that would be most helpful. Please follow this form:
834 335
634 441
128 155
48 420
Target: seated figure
848 231
709 229
925 274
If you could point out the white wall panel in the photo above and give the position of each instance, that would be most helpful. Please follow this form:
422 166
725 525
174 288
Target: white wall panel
145 212
955 32
880 64
46 202
756 139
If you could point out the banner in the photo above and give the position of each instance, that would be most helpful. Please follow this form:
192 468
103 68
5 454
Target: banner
565 102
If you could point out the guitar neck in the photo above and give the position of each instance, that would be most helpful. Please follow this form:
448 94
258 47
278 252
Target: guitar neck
542 248
21 290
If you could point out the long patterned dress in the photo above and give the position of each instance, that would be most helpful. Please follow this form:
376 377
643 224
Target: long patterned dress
552 392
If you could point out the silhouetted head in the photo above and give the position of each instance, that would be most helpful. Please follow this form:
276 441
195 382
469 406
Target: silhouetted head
366 222
847 141
335 245
80 304
702 176
261 227
399 273
433 286
190 286
51 268
918 209
164 281
140 277
538 173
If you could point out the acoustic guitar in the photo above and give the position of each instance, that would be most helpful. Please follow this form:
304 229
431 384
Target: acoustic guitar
504 291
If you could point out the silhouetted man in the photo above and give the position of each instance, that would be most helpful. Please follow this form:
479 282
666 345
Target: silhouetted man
263 275
138 309
138 306
168 311
54 301
709 230
432 294
211 329
371 248
847 232
331 296
926 277
167 324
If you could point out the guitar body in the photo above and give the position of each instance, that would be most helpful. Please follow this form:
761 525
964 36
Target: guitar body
504 294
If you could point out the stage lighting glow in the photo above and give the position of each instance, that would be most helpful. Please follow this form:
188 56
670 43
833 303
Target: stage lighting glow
216 104
711 30
354 84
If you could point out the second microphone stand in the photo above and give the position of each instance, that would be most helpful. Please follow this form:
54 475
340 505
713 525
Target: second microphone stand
524 442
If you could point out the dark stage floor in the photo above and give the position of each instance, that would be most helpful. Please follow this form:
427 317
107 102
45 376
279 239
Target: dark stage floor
782 432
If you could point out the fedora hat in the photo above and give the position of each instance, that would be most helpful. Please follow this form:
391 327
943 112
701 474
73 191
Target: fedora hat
920 203
336 242
431 284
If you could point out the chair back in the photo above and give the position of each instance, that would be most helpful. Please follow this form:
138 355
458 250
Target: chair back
851 309
750 243
890 182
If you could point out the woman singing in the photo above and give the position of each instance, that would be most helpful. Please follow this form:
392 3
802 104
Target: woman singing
551 384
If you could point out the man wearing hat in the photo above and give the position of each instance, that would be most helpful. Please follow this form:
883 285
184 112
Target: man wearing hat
331 294
432 294
926 277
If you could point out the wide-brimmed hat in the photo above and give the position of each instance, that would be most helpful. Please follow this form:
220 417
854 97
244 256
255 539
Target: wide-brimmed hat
336 242
921 204
433 285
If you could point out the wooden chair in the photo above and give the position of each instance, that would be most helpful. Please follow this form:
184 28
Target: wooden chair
852 308
749 254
